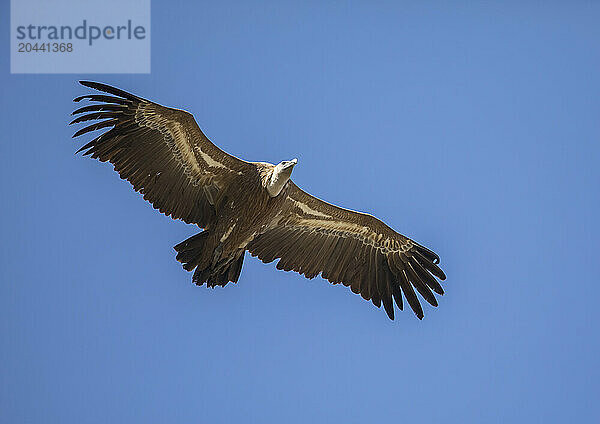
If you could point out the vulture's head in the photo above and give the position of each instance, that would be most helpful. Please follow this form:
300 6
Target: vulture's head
281 174
287 164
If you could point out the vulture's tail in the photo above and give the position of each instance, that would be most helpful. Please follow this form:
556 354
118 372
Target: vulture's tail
197 253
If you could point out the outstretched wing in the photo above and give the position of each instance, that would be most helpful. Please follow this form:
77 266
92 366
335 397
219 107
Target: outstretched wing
352 248
161 151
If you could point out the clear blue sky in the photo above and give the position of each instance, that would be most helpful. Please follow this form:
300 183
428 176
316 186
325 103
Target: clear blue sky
473 129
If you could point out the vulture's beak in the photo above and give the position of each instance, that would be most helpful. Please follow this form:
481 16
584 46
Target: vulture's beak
290 163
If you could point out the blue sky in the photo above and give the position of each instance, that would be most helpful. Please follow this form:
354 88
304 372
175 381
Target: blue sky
472 128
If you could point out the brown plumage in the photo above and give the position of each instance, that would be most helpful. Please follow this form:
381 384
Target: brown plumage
250 206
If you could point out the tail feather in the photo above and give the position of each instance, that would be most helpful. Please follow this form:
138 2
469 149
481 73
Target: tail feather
235 269
190 251
196 254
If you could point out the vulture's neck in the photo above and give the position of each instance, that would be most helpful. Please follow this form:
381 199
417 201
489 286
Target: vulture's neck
277 181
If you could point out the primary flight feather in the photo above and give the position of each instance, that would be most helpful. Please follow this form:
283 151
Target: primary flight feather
251 206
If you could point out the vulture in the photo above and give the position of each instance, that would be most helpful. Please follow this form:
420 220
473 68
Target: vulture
244 206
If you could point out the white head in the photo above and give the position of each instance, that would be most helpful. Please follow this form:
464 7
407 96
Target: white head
281 174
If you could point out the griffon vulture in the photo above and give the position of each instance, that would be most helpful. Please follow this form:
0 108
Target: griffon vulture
251 206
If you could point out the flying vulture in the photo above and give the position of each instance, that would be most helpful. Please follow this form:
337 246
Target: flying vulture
252 206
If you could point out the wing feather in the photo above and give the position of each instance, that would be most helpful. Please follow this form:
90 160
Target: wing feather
161 151
420 285
375 295
352 248
308 266
426 277
348 265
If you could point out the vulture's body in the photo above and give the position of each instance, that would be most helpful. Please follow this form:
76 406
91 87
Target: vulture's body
250 206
